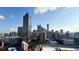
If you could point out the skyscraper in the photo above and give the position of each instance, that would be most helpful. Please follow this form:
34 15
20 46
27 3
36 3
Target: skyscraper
27 27
61 31
39 28
47 27
21 32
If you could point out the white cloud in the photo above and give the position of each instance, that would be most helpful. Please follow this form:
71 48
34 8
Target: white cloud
13 29
42 10
2 17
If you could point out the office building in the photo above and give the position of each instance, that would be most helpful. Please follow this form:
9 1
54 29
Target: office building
21 32
39 28
34 34
42 36
61 30
27 25
47 27
12 34
67 35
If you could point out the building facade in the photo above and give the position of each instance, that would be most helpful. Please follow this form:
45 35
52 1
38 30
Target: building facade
21 32
47 27
27 25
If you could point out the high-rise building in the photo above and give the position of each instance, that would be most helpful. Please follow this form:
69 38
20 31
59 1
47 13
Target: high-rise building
47 27
42 36
67 35
52 31
6 35
12 34
39 28
61 31
34 34
27 27
49 35
21 32
57 34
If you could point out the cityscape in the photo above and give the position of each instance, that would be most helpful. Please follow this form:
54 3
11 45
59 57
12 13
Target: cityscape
28 34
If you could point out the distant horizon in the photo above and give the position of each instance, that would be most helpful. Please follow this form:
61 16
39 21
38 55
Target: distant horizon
57 17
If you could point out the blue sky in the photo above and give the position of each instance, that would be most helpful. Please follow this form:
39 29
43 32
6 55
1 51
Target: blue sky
57 18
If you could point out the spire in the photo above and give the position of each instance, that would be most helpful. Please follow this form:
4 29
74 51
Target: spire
27 14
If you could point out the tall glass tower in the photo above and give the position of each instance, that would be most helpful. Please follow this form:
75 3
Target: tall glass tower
27 25
47 27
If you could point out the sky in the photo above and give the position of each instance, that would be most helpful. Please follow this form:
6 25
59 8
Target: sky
66 18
